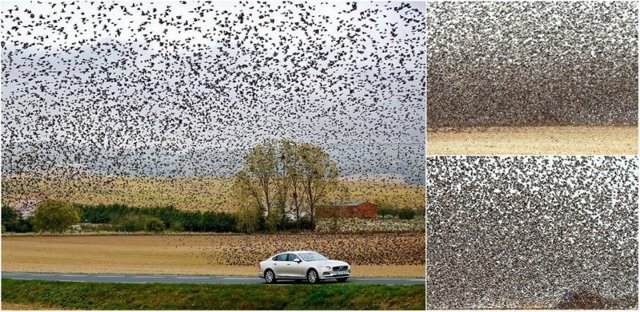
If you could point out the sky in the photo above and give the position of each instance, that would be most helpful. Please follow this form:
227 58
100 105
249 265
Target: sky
182 76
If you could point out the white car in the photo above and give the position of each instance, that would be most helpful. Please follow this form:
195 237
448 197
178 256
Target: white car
303 265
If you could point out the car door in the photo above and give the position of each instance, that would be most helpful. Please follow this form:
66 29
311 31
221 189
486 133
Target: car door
298 269
279 265
288 266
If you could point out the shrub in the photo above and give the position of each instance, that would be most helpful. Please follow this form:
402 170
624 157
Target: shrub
55 216
172 218
138 223
385 209
386 212
176 227
247 219
154 224
272 221
217 222
130 223
406 213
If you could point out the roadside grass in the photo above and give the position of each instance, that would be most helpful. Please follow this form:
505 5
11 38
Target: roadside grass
113 296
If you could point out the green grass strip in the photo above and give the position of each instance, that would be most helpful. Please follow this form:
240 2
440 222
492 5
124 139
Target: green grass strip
115 296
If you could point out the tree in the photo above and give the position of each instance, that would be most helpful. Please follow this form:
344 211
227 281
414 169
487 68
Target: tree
320 175
277 175
245 198
55 216
12 221
259 174
294 176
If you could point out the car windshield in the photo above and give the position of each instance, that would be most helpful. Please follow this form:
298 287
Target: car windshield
312 256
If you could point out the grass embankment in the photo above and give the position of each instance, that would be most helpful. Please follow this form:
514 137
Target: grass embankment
111 296
189 193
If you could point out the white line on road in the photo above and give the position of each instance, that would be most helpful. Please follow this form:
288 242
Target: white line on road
73 275
41 274
241 278
107 276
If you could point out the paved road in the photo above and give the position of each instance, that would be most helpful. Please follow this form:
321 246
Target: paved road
188 279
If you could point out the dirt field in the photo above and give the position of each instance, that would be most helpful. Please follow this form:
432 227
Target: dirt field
535 141
201 193
198 254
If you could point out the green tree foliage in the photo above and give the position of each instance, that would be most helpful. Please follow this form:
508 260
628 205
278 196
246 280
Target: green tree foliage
55 216
138 223
279 176
122 216
385 209
12 221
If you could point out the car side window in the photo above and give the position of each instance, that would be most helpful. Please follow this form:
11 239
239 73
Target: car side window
292 257
282 257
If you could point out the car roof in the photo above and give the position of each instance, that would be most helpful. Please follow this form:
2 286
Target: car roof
295 251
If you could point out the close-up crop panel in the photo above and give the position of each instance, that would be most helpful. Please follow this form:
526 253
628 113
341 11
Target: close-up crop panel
532 232
532 78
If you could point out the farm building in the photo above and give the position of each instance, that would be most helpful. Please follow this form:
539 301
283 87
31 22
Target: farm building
352 210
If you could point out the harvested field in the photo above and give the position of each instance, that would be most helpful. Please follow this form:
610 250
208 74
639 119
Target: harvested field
371 254
357 249
189 193
535 141
356 225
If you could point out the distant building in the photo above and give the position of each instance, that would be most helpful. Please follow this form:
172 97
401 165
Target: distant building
364 210
292 216
26 208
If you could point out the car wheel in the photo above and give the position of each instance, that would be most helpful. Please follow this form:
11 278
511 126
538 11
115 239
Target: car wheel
269 277
312 276
342 280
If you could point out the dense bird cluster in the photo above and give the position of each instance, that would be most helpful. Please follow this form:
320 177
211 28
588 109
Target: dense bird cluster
184 88
531 63
357 249
518 232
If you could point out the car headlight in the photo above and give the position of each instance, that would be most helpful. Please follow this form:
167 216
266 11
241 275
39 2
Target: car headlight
326 268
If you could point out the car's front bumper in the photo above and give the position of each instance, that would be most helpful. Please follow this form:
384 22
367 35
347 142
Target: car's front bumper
335 274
